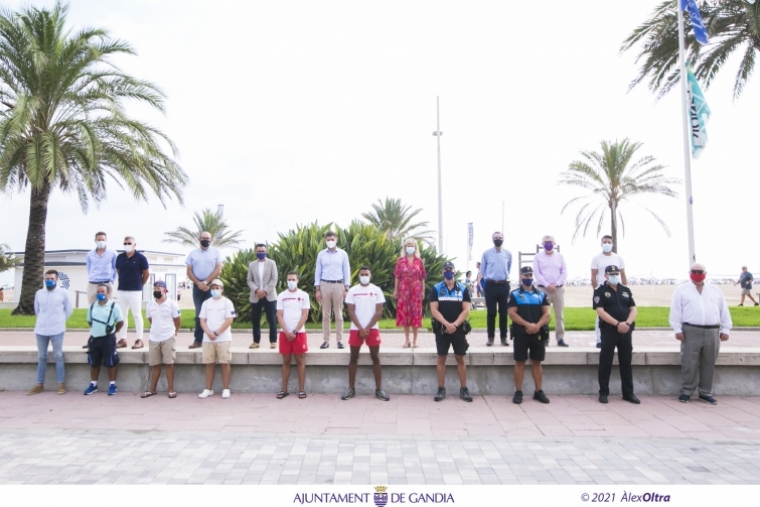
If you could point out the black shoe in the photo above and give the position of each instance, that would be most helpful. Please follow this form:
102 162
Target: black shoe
684 398
708 399
562 343
380 394
441 394
632 398
517 398
464 393
324 345
350 393
757 304
540 396
86 346
341 346
599 345
505 342
603 398
489 342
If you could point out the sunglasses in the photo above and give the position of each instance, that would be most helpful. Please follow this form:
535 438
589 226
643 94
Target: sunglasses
125 244
697 271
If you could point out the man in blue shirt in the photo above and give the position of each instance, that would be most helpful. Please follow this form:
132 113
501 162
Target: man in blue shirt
745 279
203 265
101 266
52 307
133 270
332 279
495 266
105 320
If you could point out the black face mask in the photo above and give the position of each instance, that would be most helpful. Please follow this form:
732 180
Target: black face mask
158 294
498 242
205 242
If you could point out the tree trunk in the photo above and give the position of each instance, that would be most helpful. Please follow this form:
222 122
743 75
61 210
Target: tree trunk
613 226
34 253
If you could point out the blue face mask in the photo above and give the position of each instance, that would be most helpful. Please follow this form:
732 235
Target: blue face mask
261 255
448 275
614 279
215 293
101 297
49 284
527 281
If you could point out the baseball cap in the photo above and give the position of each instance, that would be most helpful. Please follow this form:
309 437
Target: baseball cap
449 264
159 283
612 270
526 270
216 281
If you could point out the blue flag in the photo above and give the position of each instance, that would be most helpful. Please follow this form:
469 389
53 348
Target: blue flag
699 114
700 32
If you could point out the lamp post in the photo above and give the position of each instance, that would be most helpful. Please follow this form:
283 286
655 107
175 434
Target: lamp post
438 135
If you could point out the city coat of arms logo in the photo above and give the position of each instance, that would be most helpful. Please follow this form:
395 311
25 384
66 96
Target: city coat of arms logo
381 496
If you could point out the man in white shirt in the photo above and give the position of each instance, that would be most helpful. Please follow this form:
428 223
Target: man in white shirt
599 263
292 311
217 314
699 316
164 317
365 308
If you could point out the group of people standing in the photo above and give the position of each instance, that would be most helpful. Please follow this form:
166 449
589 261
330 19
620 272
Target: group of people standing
699 315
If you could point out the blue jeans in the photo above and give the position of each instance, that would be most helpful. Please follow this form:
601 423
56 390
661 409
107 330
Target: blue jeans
199 297
42 352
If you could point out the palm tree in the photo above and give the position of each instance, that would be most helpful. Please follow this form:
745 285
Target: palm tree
7 259
394 219
731 24
612 179
63 124
205 221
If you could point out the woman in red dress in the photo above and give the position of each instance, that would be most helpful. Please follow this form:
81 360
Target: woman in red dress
409 290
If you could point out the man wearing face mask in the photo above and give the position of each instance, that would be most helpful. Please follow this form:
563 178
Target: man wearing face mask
550 271
700 319
262 280
495 266
52 307
164 317
133 271
203 265
101 267
529 311
365 308
332 278
599 263
292 311
614 304
105 320
217 314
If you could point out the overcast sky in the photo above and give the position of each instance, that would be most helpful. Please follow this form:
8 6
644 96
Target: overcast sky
287 112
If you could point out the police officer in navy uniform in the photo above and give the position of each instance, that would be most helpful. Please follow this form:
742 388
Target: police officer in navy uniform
614 304
450 306
529 310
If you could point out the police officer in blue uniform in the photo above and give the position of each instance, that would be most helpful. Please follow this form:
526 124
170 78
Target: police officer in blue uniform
529 310
614 304
450 306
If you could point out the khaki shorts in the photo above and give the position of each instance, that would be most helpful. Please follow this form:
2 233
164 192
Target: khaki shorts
746 292
161 352
217 353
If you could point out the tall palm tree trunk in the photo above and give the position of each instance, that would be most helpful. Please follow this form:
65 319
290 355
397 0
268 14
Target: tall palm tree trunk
34 253
613 225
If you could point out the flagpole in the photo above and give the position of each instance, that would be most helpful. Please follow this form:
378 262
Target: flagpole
438 134
686 134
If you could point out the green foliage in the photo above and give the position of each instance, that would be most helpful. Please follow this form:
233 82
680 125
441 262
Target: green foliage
612 177
394 219
205 221
731 24
7 259
297 251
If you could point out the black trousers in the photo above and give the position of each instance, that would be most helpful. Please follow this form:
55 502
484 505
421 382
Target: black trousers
611 339
270 307
496 296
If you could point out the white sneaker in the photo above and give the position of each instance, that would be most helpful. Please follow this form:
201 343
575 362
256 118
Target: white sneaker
226 393
206 393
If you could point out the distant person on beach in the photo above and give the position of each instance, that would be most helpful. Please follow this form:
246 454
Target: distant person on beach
745 279
598 264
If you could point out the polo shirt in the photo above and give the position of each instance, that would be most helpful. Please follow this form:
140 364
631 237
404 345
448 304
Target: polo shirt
615 302
162 317
130 270
97 314
529 304
450 300
203 262
216 312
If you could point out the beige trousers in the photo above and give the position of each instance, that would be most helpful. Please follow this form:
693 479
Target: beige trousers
332 301
557 300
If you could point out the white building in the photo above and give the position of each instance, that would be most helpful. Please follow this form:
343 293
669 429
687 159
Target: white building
72 269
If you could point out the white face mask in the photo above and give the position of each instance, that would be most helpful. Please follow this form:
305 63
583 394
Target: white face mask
614 279
607 247
331 244
101 244
410 250
216 293
129 248
364 280
292 285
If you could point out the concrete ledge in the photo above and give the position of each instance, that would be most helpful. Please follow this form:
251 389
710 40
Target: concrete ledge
412 371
